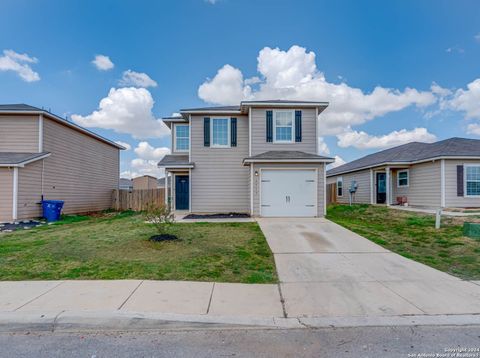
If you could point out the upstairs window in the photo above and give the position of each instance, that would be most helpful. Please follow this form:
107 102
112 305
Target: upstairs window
220 132
283 126
472 180
340 186
182 137
402 178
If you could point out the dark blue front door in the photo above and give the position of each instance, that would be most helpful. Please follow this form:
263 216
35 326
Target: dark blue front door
182 188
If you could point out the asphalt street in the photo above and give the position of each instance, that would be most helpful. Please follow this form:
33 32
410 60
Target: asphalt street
329 342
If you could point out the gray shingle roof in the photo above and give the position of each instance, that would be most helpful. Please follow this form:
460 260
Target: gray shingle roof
174 159
285 155
217 108
412 152
14 158
18 107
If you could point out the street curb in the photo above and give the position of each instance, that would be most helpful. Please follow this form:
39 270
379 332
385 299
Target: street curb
75 321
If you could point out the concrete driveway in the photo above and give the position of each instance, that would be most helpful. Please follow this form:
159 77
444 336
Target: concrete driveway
327 270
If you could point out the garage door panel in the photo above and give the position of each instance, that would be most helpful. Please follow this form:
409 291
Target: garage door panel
288 193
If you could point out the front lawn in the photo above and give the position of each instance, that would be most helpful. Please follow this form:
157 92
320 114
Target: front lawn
116 246
414 236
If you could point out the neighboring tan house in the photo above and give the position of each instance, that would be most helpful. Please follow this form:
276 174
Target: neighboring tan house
144 182
259 157
45 156
125 184
441 174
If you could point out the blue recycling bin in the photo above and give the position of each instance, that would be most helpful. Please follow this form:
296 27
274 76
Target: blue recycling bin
52 209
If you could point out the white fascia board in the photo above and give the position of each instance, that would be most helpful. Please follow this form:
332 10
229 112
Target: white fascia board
284 104
212 112
295 161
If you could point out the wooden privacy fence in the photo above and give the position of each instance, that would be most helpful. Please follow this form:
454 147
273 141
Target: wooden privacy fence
137 200
331 193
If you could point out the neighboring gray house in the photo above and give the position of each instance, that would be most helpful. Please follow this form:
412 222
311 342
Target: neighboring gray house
125 184
259 157
441 174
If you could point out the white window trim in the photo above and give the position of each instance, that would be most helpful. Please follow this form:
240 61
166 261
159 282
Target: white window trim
212 145
175 138
465 166
275 127
408 178
339 179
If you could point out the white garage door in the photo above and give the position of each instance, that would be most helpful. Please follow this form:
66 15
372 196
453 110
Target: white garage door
288 193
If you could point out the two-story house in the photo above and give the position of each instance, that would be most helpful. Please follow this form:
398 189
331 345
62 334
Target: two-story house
260 157
44 156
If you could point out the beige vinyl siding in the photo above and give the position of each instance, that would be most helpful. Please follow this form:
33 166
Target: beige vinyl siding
30 190
260 144
424 185
19 133
219 181
362 196
320 181
451 198
6 194
81 170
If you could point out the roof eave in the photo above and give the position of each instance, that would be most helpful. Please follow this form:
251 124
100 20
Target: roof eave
25 162
313 160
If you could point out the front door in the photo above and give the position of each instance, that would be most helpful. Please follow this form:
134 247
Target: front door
182 192
381 188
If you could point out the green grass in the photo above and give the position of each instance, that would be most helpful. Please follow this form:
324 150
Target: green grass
116 246
414 236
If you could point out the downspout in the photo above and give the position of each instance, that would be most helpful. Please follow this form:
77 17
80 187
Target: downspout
15 194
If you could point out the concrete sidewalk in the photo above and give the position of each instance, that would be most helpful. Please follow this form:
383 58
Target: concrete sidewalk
329 276
172 297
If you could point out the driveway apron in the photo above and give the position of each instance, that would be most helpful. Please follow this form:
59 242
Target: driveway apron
327 270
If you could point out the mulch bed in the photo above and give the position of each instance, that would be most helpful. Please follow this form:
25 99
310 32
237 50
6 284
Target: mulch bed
163 237
218 216
25 224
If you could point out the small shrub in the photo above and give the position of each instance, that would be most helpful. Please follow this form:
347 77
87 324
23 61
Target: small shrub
160 216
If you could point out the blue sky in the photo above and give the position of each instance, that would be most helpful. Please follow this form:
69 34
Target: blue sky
375 61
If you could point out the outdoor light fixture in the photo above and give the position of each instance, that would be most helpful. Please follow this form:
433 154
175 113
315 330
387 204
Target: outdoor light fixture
256 173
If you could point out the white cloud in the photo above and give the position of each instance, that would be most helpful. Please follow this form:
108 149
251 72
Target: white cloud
473 129
467 100
124 144
126 110
212 2
363 140
455 49
323 147
477 37
338 161
293 74
103 63
145 151
137 79
20 64
225 88
146 167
